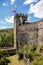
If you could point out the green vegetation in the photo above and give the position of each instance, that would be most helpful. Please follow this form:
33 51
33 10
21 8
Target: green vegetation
34 54
14 60
6 37
6 59
3 58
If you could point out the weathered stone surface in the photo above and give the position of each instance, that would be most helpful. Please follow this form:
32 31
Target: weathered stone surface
40 32
31 33
27 35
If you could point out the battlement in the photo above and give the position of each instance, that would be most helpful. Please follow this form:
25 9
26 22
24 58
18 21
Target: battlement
21 15
20 18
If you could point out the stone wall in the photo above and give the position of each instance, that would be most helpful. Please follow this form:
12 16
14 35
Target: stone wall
27 35
40 32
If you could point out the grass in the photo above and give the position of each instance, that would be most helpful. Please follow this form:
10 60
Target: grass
14 60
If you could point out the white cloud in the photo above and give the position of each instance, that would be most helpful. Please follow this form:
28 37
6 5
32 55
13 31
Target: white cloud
12 1
37 9
10 19
4 4
28 19
15 5
4 27
29 1
1 22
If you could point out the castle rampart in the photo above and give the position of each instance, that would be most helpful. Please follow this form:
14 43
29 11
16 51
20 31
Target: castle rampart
27 33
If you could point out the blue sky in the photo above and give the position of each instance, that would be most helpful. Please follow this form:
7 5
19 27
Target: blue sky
33 9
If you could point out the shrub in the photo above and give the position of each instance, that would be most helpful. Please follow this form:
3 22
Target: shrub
3 53
3 59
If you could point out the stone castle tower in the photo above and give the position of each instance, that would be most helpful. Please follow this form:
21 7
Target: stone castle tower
27 33
19 19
